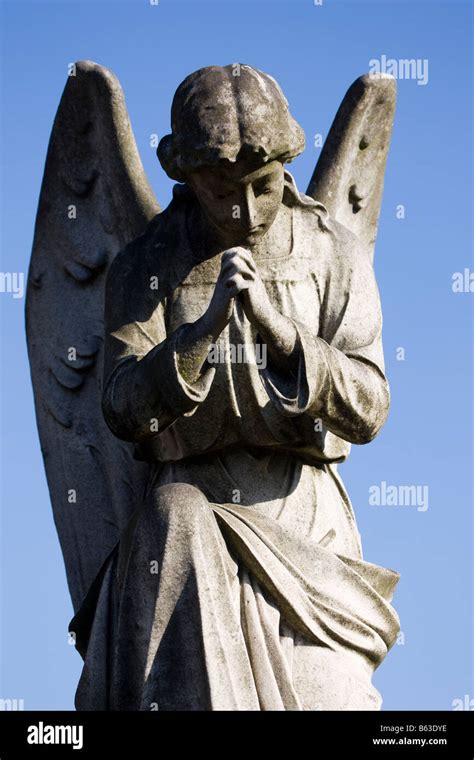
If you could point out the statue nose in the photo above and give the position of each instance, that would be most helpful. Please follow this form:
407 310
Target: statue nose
250 212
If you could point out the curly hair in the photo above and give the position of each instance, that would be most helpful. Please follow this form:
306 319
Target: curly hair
221 113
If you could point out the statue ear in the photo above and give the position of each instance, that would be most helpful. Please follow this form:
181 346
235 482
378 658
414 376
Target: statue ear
167 156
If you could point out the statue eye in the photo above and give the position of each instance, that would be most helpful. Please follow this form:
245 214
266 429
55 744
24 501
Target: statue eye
263 190
223 195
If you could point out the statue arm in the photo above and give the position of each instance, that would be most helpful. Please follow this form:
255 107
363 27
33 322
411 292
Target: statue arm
280 335
150 378
340 373
143 396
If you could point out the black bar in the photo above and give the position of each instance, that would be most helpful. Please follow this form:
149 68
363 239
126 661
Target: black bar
313 734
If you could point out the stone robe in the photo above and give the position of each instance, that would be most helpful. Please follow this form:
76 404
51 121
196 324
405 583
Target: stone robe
239 582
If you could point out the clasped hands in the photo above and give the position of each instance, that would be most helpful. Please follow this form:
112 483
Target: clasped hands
238 278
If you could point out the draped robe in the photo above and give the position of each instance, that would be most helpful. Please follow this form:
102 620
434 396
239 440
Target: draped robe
239 583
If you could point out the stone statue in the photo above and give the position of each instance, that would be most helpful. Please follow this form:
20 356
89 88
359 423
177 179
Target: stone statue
191 436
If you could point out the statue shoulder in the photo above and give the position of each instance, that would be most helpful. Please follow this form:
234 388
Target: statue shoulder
334 250
152 254
328 238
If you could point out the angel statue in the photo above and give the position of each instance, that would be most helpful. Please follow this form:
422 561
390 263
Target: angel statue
199 373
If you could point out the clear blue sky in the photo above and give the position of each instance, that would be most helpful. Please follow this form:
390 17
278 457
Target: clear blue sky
315 52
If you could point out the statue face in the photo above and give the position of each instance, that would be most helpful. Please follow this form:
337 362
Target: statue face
241 202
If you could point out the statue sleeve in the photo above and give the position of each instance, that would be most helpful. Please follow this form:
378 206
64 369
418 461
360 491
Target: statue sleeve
143 390
340 377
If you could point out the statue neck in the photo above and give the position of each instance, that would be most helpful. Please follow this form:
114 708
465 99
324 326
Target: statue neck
277 243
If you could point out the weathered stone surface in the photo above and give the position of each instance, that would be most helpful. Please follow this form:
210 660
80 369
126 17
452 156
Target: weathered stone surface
242 357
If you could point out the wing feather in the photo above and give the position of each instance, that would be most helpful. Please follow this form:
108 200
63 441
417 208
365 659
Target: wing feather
349 175
95 198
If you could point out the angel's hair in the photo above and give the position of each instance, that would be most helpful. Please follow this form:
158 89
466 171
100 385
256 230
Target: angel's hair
224 113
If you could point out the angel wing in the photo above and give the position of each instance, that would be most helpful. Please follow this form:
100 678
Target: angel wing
94 199
349 175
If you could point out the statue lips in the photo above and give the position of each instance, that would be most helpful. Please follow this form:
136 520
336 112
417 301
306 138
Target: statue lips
251 235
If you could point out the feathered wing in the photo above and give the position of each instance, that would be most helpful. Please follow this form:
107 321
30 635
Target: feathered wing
95 198
349 175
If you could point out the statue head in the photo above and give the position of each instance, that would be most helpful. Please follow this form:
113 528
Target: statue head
232 133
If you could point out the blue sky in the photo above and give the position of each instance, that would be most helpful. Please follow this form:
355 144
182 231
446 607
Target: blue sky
315 52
